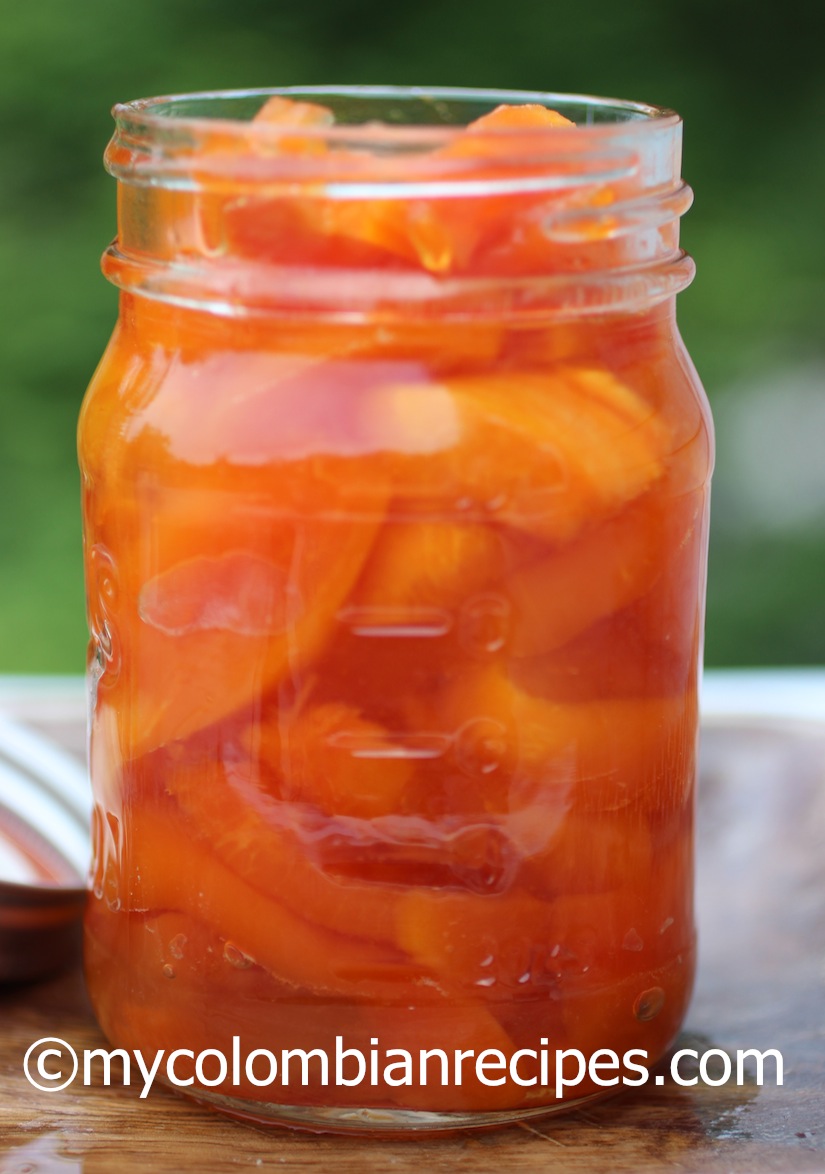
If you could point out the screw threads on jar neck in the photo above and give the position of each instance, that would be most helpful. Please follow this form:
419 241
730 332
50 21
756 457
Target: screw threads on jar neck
246 216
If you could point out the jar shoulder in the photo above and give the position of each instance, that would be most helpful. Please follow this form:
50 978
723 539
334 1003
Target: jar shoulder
279 389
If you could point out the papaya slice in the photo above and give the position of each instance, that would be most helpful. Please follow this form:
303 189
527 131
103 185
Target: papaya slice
274 846
547 453
527 116
176 873
280 111
211 629
558 597
507 946
595 757
452 1026
332 757
630 653
439 235
615 613
472 941
514 949
197 991
236 546
419 569
588 853
444 235
189 971
333 869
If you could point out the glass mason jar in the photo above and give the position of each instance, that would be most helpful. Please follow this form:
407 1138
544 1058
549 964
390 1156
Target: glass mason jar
395 482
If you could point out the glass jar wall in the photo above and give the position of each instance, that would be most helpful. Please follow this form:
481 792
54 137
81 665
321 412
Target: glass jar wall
395 480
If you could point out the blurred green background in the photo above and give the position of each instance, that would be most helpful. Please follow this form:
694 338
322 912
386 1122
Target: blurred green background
751 91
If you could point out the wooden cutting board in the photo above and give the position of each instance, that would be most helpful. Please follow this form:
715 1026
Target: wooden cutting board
761 985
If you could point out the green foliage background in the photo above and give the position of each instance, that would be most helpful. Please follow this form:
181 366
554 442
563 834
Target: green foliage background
751 91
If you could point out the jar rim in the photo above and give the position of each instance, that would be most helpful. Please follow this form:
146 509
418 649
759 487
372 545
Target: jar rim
184 112
627 151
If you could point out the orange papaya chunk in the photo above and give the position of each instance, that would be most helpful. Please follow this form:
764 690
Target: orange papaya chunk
545 452
513 950
246 595
278 847
598 756
394 233
212 629
527 116
380 224
649 648
343 869
530 116
263 227
443 235
439 235
177 873
615 613
635 556
282 111
447 234
473 942
197 990
558 597
451 1026
421 569
592 853
293 416
234 549
331 756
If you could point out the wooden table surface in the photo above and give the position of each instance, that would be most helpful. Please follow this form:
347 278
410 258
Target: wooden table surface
761 985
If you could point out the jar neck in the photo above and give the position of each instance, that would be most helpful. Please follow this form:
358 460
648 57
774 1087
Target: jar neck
155 328
245 218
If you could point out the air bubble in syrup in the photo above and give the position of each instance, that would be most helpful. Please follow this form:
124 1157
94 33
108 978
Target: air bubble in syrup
648 1004
176 945
632 941
484 862
481 746
484 623
236 957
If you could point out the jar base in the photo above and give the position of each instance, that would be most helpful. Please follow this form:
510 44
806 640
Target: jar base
393 1123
